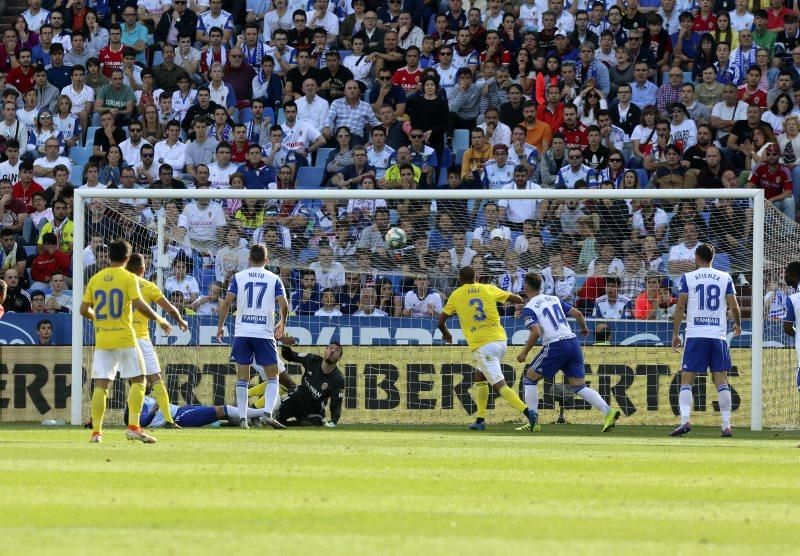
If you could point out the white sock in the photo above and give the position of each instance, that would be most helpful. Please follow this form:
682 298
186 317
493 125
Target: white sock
233 412
241 397
531 395
270 395
593 398
685 403
724 393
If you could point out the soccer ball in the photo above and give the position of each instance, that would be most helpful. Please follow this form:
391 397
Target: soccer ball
395 238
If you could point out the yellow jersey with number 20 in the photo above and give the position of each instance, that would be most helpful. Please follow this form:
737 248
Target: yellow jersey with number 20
150 294
111 292
476 307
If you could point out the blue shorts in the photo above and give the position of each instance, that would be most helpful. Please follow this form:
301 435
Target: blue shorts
247 350
565 355
702 354
190 416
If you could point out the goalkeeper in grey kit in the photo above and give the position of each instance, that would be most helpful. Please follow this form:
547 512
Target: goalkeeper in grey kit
321 381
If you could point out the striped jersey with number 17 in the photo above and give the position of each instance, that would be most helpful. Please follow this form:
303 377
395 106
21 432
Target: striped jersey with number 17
476 307
256 290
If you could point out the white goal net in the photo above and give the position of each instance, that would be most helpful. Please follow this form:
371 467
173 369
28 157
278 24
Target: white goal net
616 255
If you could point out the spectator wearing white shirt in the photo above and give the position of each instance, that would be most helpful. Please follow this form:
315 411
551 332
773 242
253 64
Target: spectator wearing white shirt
573 172
181 282
517 211
606 256
612 306
329 273
200 221
422 301
481 237
219 172
366 302
322 16
648 220
209 304
559 280
131 147
299 136
232 257
328 308
497 133
460 254
43 167
312 108
172 150
681 256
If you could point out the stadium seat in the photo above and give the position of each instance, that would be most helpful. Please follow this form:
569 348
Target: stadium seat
281 117
80 155
158 58
246 115
76 175
722 261
30 250
460 140
446 159
90 136
308 254
644 179
459 157
344 54
322 156
442 178
309 177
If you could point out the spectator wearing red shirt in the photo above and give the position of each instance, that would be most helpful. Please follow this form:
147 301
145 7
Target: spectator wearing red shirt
749 91
646 304
111 56
705 21
776 181
576 135
408 78
240 145
25 188
775 15
552 112
494 50
50 261
22 77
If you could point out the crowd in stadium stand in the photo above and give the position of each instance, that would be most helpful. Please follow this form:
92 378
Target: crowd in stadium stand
395 94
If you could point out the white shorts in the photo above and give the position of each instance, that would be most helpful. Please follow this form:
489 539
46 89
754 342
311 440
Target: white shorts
128 361
263 374
151 364
489 358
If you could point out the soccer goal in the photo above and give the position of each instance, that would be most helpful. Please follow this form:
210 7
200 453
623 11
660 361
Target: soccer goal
615 254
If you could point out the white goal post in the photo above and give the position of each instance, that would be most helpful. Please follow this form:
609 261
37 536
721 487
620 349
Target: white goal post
83 196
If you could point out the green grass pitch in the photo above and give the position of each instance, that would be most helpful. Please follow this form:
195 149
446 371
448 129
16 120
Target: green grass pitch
399 490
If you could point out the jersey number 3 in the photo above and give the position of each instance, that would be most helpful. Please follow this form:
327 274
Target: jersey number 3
477 304
111 301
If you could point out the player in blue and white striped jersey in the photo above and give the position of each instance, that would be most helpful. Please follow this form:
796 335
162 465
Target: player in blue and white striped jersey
546 317
257 291
791 322
705 294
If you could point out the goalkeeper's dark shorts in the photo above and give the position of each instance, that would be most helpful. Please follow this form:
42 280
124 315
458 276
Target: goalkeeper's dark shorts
294 411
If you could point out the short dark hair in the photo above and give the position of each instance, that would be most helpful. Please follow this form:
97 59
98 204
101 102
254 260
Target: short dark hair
534 280
705 252
118 250
135 263
258 253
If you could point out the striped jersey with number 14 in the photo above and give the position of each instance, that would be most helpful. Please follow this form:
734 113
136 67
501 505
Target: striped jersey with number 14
476 307
111 292
550 313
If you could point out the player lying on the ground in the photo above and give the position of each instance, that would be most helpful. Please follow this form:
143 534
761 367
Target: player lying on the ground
321 381
476 307
706 294
190 416
546 316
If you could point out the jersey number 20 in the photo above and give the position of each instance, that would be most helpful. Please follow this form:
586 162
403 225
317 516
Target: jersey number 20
111 301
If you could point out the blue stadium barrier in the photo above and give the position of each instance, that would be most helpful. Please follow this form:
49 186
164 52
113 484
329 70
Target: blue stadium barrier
309 177
321 156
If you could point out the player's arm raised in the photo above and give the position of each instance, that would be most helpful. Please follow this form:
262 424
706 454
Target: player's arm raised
680 307
224 309
172 311
145 309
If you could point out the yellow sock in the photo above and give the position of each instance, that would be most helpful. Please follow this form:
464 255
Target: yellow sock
512 398
162 398
260 403
257 390
99 398
481 398
135 403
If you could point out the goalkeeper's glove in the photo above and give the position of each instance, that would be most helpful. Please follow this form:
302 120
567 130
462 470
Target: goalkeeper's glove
330 424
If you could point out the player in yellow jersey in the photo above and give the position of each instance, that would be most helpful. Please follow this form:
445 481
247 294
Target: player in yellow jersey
109 300
476 307
152 368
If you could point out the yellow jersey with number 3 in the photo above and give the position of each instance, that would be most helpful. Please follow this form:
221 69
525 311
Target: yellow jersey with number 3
111 292
476 307
150 294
